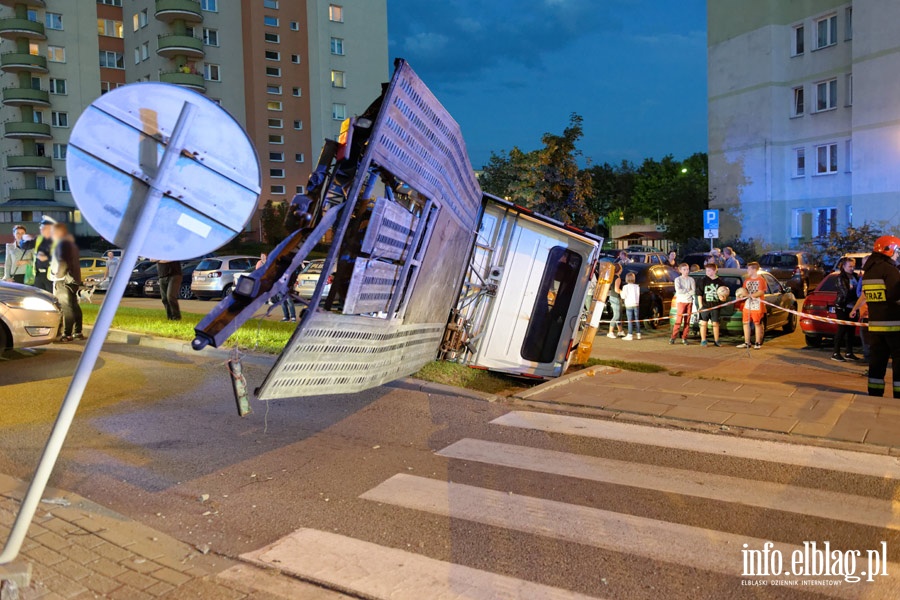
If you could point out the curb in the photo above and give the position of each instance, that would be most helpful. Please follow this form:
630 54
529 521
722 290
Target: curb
420 385
564 381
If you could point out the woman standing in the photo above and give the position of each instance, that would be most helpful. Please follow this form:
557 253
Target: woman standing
843 306
615 303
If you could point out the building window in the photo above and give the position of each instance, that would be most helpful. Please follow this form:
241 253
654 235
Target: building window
826 159
60 151
40 182
135 24
61 184
336 13
211 72
274 105
270 21
272 55
34 49
338 79
295 26
277 189
298 125
137 56
338 111
799 162
273 4
849 89
209 5
826 95
53 20
295 58
58 86
37 116
104 87
110 2
109 28
145 50
59 119
273 71
276 173
276 123
276 156
112 60
56 54
797 45
826 32
143 18
276 139
297 92
848 24
825 221
210 37
299 157
801 223
273 89
273 38
797 107
337 46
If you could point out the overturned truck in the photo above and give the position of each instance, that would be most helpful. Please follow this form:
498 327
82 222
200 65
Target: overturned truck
397 202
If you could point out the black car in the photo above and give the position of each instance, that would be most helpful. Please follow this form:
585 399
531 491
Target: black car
657 284
138 278
797 270
151 286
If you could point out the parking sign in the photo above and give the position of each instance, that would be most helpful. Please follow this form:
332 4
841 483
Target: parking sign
710 224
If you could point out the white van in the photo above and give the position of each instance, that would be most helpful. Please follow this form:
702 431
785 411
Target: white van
522 302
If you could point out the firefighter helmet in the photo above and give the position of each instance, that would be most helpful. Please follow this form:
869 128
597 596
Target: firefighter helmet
887 244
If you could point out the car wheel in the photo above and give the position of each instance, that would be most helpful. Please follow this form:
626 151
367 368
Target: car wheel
185 292
813 341
227 291
791 324
655 314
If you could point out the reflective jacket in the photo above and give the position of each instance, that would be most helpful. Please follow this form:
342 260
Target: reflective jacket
881 287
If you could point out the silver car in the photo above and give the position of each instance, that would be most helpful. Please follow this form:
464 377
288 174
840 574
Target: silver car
28 316
214 277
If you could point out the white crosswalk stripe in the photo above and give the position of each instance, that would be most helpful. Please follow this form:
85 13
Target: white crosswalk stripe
375 571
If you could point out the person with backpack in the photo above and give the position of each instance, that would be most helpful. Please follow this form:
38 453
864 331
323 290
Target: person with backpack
844 303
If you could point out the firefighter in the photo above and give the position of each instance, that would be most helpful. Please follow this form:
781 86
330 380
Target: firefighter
881 288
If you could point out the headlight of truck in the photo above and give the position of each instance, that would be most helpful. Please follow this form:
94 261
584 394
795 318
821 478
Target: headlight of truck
30 303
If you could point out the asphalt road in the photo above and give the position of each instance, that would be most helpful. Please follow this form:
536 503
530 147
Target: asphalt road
158 433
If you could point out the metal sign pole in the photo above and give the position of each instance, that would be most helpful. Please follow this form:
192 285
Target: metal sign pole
130 254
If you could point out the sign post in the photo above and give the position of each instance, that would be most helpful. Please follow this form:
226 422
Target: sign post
711 226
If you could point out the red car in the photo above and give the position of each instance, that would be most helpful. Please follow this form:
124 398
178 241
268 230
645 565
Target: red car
821 304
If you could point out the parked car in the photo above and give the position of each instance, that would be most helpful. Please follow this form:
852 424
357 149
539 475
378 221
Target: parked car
309 277
136 283
730 317
151 286
794 269
859 259
92 266
214 277
28 316
820 303
652 258
657 284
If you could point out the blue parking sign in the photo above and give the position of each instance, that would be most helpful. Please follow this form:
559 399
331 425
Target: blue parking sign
710 219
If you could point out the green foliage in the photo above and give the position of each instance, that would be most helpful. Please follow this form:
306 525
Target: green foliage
455 374
272 222
837 243
625 365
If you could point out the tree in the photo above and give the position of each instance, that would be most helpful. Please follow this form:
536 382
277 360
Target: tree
613 188
674 194
837 243
500 175
272 222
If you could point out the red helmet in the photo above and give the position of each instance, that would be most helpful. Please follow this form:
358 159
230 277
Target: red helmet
887 244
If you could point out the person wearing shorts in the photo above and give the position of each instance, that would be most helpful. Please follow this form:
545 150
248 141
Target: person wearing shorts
708 303
753 310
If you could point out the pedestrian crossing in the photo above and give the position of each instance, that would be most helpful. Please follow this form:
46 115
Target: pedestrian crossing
371 570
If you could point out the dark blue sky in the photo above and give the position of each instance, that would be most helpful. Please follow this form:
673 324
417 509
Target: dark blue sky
510 70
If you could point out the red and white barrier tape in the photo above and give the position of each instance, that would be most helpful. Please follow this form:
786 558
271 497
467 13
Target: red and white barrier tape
816 317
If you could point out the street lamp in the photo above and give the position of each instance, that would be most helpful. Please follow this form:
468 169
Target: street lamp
684 170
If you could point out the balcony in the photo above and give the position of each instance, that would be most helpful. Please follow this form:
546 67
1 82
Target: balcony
171 46
38 3
35 194
29 163
17 130
194 81
22 28
14 62
25 97
172 10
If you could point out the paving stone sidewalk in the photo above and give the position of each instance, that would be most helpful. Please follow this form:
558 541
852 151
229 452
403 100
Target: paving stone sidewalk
78 550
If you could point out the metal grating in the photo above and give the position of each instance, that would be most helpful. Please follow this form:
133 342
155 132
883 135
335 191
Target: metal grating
390 231
371 287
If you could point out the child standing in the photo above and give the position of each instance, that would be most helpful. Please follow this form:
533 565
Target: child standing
631 297
685 290
708 301
753 309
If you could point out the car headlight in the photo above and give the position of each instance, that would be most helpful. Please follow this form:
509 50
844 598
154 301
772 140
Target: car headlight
30 303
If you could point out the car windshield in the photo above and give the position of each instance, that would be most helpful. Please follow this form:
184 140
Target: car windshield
782 261
209 265
314 268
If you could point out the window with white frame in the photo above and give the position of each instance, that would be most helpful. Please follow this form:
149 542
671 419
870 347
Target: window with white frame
338 111
209 5
826 95
273 89
801 223
272 55
210 36
338 79
276 156
273 71
61 184
276 139
300 189
848 23
57 54
274 105
110 2
797 40
59 119
53 20
273 4
110 28
799 162
277 189
826 159
137 55
135 22
295 26
58 86
145 51
212 72
336 13
298 125
825 221
297 92
272 38
826 31
849 92
276 173
276 124
143 18
112 60
105 86
295 58
270 21
60 151
798 105
337 46
299 157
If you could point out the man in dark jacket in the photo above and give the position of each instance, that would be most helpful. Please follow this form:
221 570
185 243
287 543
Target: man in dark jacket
43 254
170 277
881 287
65 273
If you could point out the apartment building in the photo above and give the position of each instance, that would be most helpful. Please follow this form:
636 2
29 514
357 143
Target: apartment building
288 70
804 125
